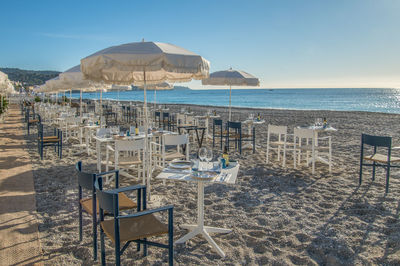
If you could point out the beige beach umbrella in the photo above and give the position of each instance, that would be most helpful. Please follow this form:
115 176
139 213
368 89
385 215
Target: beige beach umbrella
144 63
73 79
6 87
231 78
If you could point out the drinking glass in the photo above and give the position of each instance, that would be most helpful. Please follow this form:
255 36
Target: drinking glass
202 155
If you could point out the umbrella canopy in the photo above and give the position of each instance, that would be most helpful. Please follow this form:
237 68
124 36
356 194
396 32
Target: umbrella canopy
144 63
140 62
5 84
231 78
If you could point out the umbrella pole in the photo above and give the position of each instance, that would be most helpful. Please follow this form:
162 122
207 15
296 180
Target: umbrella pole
146 126
155 97
230 94
80 106
101 107
70 98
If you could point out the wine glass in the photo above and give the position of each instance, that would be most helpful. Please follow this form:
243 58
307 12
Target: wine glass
209 156
202 154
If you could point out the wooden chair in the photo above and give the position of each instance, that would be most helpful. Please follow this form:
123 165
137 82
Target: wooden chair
306 142
49 141
157 118
126 228
277 141
31 119
127 154
169 149
86 181
234 132
377 159
217 131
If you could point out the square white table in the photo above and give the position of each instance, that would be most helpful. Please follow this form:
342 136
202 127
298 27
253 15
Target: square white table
227 176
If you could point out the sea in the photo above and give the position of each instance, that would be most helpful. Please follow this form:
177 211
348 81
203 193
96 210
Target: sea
352 99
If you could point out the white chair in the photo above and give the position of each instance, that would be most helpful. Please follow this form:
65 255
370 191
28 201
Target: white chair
277 141
307 141
128 154
160 152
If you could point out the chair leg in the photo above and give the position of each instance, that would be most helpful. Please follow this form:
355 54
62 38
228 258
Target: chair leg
94 218
373 171
145 248
80 222
102 247
387 178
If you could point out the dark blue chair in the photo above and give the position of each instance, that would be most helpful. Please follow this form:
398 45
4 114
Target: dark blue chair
129 228
217 131
31 119
166 121
54 140
234 133
376 159
86 181
157 118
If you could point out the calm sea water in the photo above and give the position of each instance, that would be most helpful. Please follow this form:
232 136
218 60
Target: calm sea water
371 100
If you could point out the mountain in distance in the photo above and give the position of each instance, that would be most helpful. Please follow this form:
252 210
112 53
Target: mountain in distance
29 77
181 88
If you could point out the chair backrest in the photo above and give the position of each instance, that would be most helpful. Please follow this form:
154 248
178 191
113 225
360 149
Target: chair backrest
129 145
190 120
85 180
108 201
234 125
217 122
169 139
377 141
272 129
165 115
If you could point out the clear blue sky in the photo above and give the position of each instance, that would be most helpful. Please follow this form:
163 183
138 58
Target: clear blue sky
338 43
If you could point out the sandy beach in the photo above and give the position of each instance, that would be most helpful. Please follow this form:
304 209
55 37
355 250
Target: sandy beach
279 216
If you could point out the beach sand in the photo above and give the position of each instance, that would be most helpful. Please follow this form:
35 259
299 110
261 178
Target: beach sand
279 216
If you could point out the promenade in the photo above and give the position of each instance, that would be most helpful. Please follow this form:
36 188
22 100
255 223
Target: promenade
19 236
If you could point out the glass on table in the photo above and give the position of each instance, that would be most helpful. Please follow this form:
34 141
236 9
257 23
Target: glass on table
202 156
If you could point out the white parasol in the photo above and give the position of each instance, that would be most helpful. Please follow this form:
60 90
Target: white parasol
231 78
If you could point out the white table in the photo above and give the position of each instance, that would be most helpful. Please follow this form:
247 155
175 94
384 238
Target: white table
316 130
227 176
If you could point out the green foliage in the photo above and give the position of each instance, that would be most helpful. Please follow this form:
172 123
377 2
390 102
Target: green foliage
5 104
29 77
37 99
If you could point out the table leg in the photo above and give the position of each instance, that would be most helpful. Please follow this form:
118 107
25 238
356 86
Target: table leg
199 228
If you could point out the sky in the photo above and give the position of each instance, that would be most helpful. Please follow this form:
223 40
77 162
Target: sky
285 43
